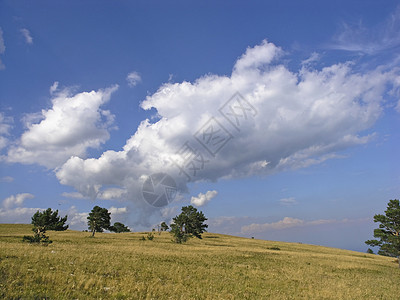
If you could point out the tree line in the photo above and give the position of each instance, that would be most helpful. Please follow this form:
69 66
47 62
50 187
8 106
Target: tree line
190 223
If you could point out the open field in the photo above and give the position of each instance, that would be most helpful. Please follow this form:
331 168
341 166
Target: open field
120 266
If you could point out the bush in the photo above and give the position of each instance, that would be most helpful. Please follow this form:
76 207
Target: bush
38 237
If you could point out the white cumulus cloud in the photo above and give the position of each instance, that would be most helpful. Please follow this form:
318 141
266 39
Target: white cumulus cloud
281 120
16 200
203 199
71 126
17 214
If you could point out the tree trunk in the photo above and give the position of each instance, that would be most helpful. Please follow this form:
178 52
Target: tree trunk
93 232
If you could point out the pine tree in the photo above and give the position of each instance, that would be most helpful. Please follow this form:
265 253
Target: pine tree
119 227
50 220
388 238
98 219
190 223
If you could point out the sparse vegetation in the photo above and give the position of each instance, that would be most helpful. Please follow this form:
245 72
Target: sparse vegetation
119 266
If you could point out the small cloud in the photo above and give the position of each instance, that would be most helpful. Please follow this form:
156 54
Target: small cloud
288 222
203 199
27 35
133 79
16 200
7 179
74 195
108 194
53 88
312 59
5 127
288 201
112 194
2 46
2 49
118 210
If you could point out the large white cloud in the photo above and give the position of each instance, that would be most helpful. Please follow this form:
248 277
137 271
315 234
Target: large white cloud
287 120
71 126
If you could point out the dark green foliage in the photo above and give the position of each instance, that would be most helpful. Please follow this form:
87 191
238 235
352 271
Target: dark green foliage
150 236
50 220
387 234
98 219
190 223
119 227
39 236
164 226
370 251
43 221
274 248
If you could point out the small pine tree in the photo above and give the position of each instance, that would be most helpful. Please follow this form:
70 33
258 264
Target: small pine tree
164 226
98 219
190 223
41 222
150 236
119 227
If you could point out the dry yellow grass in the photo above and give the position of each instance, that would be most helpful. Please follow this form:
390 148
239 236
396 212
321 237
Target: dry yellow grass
120 266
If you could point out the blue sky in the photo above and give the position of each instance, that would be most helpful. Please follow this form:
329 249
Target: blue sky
311 159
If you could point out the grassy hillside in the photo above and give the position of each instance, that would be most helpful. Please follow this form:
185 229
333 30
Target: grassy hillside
120 266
